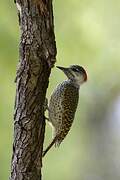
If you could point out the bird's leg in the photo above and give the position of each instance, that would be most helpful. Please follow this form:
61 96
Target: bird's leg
46 105
47 118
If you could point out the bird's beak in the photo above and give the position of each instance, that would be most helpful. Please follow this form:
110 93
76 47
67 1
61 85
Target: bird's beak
62 68
66 71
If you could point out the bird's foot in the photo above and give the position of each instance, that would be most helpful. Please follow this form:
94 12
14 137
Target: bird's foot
46 105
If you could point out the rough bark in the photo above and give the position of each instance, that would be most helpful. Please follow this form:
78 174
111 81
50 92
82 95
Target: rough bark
37 56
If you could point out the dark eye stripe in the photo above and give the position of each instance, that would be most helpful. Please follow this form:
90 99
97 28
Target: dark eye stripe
75 69
78 69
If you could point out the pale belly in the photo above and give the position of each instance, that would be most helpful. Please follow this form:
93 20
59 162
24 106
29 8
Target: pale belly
55 111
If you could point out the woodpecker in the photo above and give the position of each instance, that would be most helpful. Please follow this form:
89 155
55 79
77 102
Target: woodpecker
63 103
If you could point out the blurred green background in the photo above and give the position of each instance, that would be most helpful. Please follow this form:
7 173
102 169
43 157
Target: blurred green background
88 34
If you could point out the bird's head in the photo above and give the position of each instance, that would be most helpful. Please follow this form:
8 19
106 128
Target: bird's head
75 73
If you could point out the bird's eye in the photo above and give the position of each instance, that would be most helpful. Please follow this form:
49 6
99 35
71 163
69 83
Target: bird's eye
75 70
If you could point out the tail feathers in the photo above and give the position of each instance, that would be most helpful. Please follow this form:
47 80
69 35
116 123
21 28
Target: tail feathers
50 145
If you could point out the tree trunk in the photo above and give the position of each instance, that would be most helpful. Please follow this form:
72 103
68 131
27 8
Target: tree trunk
37 56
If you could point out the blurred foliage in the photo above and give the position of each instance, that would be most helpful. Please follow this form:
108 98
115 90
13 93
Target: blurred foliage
87 33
